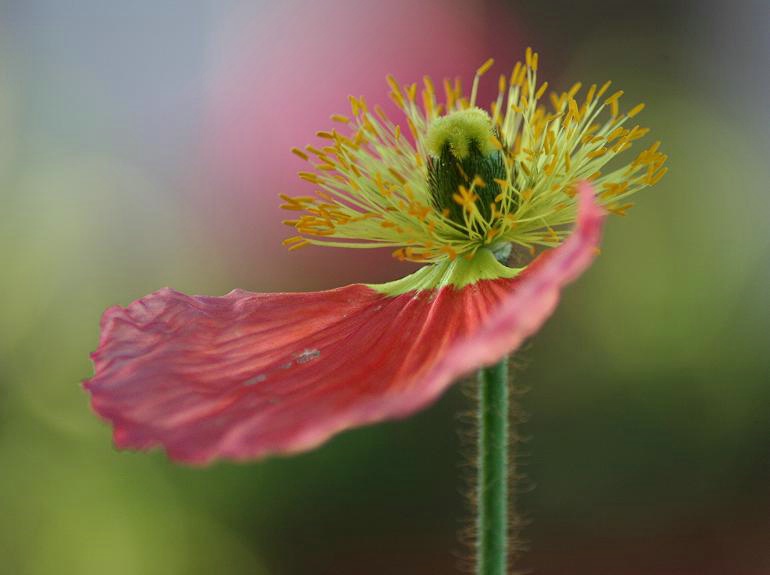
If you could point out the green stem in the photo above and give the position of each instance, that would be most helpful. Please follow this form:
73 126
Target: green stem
492 480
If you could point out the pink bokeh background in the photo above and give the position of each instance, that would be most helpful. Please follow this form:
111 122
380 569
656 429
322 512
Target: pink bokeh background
276 77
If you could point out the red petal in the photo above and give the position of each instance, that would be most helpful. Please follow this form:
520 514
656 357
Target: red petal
246 375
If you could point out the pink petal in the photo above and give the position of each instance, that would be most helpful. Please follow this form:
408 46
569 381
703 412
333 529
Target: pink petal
246 375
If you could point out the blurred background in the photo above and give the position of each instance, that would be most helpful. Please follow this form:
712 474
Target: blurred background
143 144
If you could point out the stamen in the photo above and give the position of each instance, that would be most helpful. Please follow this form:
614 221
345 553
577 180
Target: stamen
479 73
467 178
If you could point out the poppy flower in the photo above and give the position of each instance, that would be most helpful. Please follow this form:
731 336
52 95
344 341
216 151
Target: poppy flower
246 375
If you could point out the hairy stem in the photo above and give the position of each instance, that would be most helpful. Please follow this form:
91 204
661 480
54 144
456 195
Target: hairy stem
492 482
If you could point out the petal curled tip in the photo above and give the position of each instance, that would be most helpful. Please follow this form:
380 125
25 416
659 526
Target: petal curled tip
247 375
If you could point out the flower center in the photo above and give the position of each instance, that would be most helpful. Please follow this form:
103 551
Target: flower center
464 164
467 180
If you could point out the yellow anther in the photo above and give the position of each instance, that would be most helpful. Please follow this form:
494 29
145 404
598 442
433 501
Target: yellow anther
398 97
619 210
354 105
614 97
656 178
573 114
522 77
611 190
484 68
636 133
411 92
399 254
616 133
299 153
515 75
621 146
635 110
362 105
429 86
604 88
574 89
465 198
502 83
590 95
556 100
298 245
310 177
420 211
449 251
340 118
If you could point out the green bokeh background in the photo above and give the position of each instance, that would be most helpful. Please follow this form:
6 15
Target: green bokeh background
648 441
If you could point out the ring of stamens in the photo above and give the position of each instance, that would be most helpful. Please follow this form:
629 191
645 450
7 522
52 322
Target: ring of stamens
373 184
